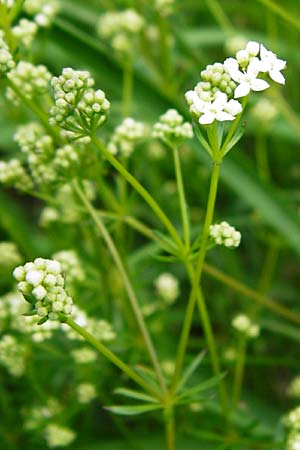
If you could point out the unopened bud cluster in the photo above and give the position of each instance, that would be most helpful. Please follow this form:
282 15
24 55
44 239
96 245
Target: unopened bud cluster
32 81
243 324
224 234
58 435
6 60
13 174
164 7
86 392
167 287
42 284
78 109
25 31
126 136
120 27
71 265
10 255
171 128
43 11
12 355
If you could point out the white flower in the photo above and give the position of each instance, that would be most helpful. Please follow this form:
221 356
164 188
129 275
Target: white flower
252 48
271 64
247 80
216 110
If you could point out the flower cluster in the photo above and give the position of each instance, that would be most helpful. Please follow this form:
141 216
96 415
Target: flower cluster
12 355
292 419
120 27
164 7
32 80
126 136
212 98
36 416
167 287
78 109
42 284
6 60
13 174
10 255
245 325
25 31
171 129
224 234
58 436
84 355
293 441
86 392
43 11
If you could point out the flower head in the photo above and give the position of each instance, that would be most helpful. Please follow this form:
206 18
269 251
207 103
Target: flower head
245 325
126 137
171 128
224 234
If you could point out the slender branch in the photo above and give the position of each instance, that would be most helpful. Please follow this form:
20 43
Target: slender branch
128 286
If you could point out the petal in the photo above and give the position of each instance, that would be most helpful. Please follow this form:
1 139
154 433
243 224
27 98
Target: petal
233 107
259 85
242 90
207 118
263 52
252 48
277 76
280 64
222 116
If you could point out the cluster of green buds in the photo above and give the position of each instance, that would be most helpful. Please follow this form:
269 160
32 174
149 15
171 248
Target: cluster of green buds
31 80
10 255
42 284
13 174
244 325
24 32
12 355
126 136
164 7
86 392
58 436
224 234
6 60
43 11
78 109
171 128
121 28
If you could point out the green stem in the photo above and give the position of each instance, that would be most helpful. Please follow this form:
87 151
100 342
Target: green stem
220 16
141 191
112 357
262 157
170 428
165 53
239 372
127 87
128 286
182 199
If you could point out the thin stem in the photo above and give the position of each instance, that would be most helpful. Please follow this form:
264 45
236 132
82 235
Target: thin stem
111 356
182 198
141 191
128 286
220 16
239 372
170 428
262 156
127 87
165 53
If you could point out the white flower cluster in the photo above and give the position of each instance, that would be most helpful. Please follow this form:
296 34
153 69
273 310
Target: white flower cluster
84 355
167 287
171 129
294 387
58 435
67 159
71 266
13 174
126 136
164 7
42 284
27 135
6 60
224 234
292 419
212 98
36 416
43 11
120 27
293 441
32 80
86 392
25 31
12 355
100 329
245 325
10 255
78 109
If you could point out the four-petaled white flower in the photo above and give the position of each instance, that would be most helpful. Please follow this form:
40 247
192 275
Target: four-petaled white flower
271 64
219 109
247 80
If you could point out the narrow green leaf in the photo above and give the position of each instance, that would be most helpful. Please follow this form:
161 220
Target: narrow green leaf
135 394
235 139
201 387
202 139
132 410
190 370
